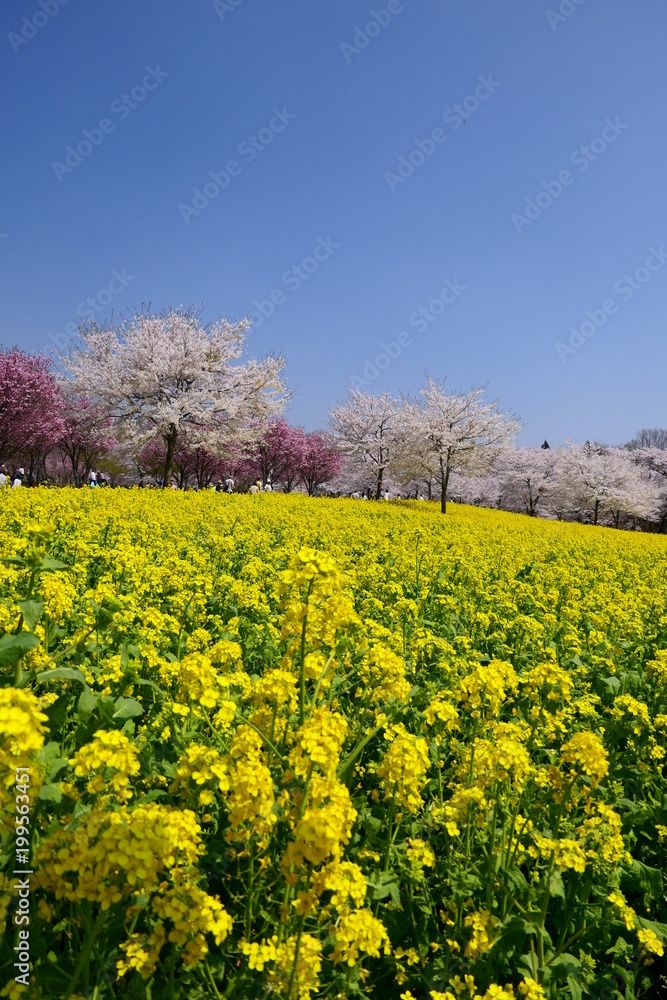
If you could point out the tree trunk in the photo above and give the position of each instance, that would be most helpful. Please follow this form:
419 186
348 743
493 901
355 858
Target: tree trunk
595 515
169 460
378 492
443 494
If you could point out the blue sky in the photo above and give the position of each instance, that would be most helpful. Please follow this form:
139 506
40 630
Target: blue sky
339 94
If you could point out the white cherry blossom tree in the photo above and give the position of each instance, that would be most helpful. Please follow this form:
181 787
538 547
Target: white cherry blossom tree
169 373
524 477
363 426
443 432
607 479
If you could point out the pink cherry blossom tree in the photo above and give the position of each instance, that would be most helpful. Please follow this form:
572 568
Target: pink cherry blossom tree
30 410
86 435
321 462
280 452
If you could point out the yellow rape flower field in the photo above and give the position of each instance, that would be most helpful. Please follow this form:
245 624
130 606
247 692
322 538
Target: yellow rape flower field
284 747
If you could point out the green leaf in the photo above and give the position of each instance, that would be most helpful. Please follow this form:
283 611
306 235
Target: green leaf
32 612
14 561
155 793
14 647
386 886
574 987
62 674
50 565
86 705
148 683
50 793
512 935
556 887
566 965
127 708
644 879
107 709
50 751
525 966
56 767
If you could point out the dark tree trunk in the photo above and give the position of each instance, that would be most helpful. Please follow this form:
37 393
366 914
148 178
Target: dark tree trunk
169 460
597 509
378 492
443 492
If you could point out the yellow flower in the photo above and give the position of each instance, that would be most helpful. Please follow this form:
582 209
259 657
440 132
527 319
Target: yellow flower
650 942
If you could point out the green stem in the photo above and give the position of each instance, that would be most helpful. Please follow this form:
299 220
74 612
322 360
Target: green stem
321 678
302 662
350 759
296 959
248 919
212 981
389 839
84 955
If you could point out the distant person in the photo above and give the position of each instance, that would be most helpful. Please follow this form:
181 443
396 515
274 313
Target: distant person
4 477
18 479
229 484
268 487
256 487
172 485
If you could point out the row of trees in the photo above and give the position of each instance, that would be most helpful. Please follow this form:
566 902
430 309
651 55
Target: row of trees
163 395
457 445
59 435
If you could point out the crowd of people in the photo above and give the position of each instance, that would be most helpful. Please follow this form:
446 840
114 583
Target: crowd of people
97 480
12 480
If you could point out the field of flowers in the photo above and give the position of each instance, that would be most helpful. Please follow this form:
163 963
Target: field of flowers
321 748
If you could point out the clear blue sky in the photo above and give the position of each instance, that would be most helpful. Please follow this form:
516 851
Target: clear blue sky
328 173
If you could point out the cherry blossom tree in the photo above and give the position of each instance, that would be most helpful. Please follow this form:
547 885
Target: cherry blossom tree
321 462
168 373
602 478
442 432
280 452
524 476
476 490
364 426
30 410
86 435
